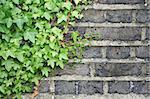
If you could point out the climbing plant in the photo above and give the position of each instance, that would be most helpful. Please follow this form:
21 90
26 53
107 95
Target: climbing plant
34 39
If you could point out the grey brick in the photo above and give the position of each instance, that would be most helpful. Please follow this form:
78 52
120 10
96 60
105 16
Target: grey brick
74 69
126 33
92 52
121 1
143 52
44 86
148 33
118 52
121 87
142 16
119 16
92 15
90 87
65 87
141 87
122 69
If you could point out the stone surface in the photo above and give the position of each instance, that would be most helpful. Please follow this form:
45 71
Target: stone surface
142 16
148 33
119 16
118 52
92 52
143 52
74 69
123 34
92 15
44 86
141 87
116 69
65 87
90 87
108 96
121 87
121 1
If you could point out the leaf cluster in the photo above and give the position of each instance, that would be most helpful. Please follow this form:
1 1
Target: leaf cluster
33 41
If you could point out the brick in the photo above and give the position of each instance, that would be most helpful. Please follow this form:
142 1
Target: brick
90 87
141 87
92 52
123 34
74 69
148 33
44 86
119 16
118 52
143 16
121 87
92 15
122 69
143 52
65 87
121 1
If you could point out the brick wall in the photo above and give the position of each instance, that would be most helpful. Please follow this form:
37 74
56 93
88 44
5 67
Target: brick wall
117 64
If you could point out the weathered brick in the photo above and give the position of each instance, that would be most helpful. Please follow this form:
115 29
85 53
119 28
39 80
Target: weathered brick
118 52
148 33
44 86
65 87
121 87
121 1
122 69
143 16
143 52
126 33
92 52
74 69
119 16
90 87
92 15
141 87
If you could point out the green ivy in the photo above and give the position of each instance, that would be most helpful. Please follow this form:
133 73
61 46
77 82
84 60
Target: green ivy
33 41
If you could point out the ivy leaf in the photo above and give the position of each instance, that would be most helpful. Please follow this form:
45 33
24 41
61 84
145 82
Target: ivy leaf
16 66
19 23
67 5
3 29
2 89
61 18
75 14
8 64
74 35
10 53
30 69
2 14
20 57
51 62
45 71
77 1
30 36
56 30
47 15
60 63
52 38
63 56
16 1
3 74
54 53
9 22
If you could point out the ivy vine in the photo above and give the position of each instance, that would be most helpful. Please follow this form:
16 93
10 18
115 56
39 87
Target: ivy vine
33 41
